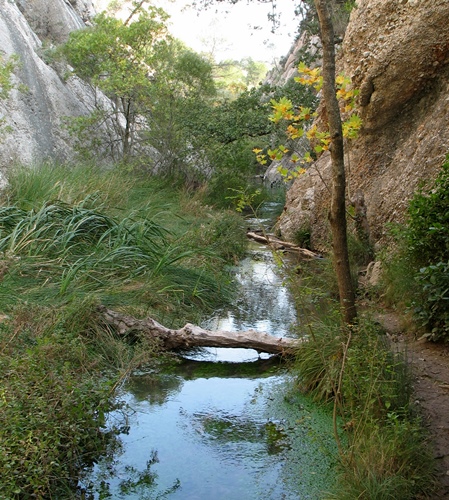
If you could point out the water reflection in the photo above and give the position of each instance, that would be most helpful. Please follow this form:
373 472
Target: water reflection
264 304
155 388
217 438
222 430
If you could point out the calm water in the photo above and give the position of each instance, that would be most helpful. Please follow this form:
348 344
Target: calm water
226 423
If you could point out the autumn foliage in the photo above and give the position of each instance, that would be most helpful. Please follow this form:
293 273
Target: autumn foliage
298 122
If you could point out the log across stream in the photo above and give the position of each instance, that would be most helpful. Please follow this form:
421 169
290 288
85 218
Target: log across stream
192 336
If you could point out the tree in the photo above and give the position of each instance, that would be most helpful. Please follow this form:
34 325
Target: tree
119 58
183 83
337 215
151 79
332 140
234 77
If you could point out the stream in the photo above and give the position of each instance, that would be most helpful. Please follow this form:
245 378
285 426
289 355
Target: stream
223 424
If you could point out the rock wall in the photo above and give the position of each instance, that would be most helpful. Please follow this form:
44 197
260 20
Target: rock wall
287 69
37 106
397 54
53 20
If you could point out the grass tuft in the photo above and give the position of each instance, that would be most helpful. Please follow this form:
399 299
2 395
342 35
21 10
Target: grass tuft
383 448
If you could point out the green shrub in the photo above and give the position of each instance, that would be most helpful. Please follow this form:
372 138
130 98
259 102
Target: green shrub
302 237
428 243
51 409
433 309
416 274
428 222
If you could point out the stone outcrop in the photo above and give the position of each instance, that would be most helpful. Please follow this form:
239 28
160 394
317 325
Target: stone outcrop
53 20
36 108
287 68
397 54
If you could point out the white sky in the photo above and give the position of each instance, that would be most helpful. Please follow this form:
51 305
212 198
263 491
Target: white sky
226 30
230 29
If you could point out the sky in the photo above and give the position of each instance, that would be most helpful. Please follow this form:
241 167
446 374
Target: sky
227 30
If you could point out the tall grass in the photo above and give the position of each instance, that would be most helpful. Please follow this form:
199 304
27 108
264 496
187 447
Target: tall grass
382 442
71 239
89 246
31 186
383 449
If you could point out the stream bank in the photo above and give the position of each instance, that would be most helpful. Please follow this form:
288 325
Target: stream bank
430 369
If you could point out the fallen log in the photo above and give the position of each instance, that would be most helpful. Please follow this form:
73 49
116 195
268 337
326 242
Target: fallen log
191 336
277 244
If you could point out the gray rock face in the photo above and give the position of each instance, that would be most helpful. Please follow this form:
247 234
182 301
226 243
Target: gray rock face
53 20
36 108
281 75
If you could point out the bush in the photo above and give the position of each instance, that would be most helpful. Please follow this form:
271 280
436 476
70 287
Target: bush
417 275
433 309
428 225
51 408
428 240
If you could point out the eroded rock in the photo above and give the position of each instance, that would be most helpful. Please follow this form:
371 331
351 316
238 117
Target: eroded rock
41 100
397 54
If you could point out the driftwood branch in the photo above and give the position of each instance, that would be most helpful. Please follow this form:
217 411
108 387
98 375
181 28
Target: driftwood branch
277 244
191 336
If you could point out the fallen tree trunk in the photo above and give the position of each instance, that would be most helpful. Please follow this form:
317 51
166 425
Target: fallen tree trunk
277 244
191 336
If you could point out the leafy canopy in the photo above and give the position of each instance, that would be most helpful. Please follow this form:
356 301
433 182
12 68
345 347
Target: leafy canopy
150 78
119 58
297 119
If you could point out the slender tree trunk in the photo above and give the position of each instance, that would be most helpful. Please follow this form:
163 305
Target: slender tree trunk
337 215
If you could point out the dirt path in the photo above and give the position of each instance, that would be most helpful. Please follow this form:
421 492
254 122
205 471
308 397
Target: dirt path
430 368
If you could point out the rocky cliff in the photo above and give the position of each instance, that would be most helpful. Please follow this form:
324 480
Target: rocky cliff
397 54
41 99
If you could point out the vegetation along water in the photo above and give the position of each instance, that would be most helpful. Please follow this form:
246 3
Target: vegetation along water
74 239
144 226
223 423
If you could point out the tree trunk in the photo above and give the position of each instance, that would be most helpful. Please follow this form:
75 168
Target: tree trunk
127 105
191 336
361 223
337 215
